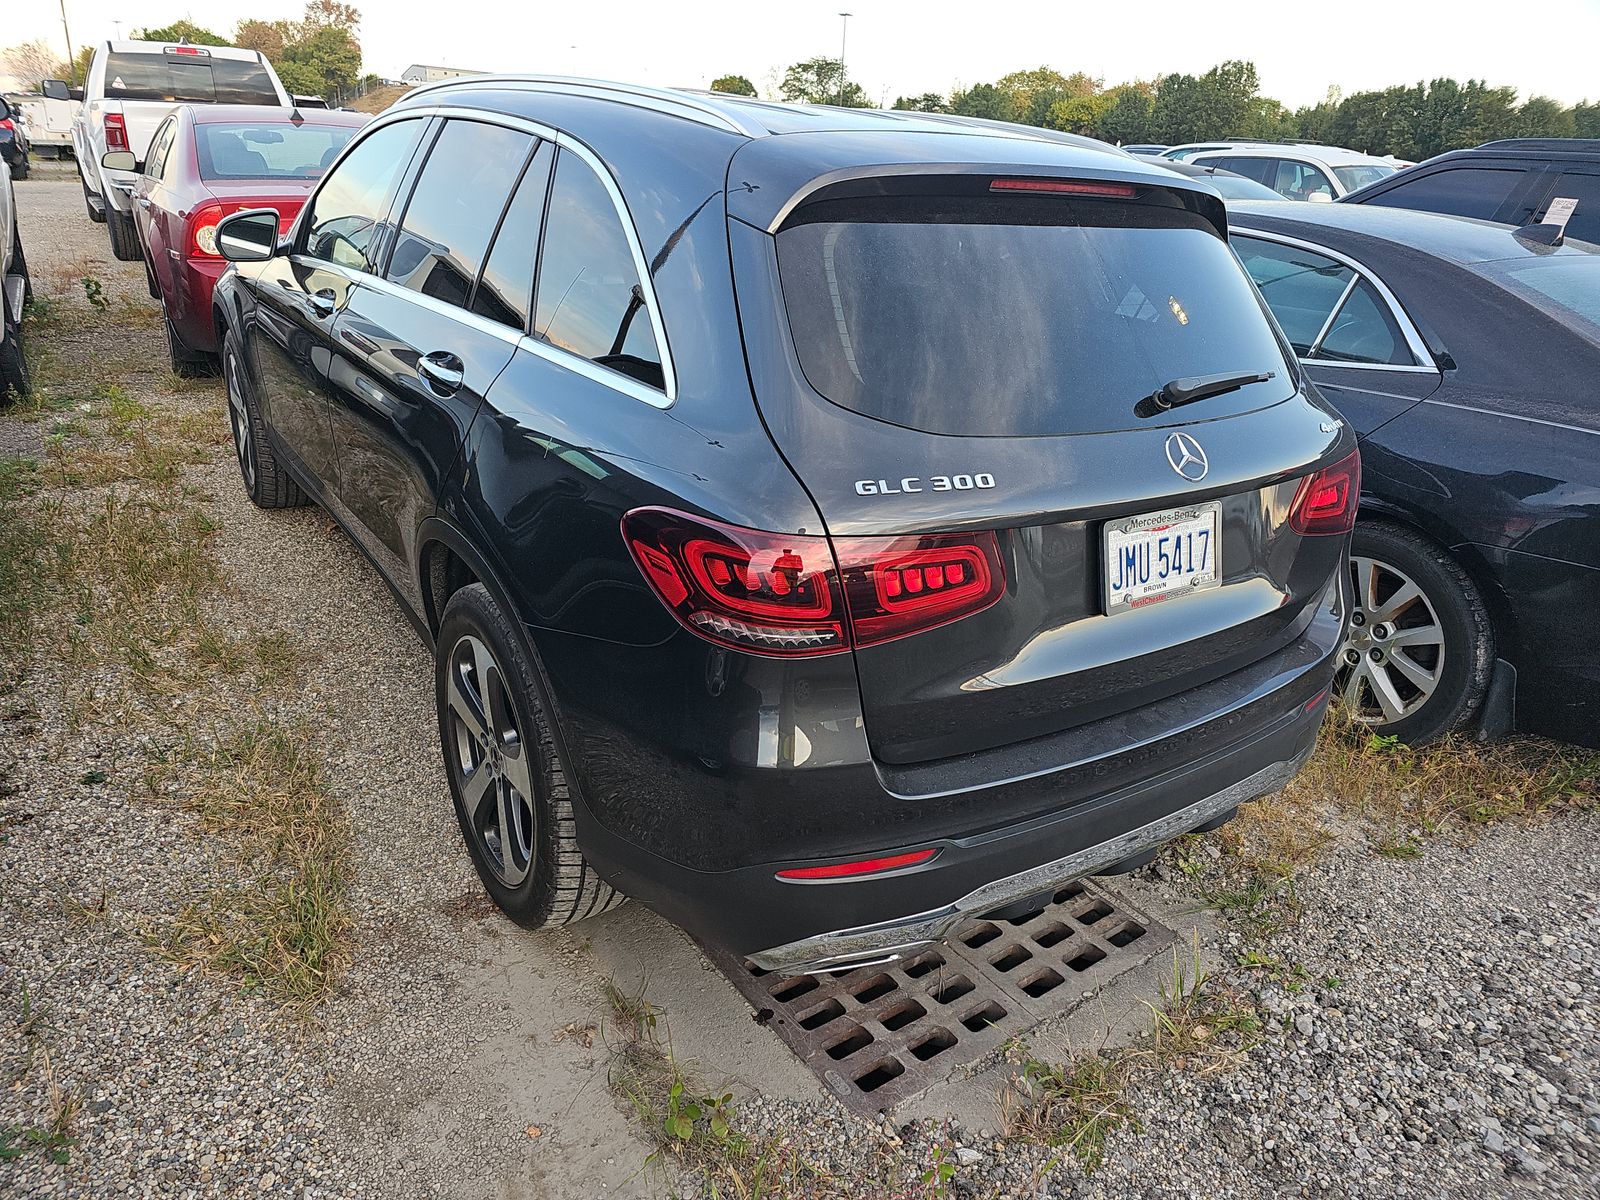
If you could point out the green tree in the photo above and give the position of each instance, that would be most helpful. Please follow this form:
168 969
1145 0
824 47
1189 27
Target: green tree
1127 115
1540 116
269 37
1586 120
822 80
1033 93
930 102
1078 114
733 85
178 31
983 100
326 63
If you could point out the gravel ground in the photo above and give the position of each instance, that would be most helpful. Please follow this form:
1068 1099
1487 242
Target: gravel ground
1454 1056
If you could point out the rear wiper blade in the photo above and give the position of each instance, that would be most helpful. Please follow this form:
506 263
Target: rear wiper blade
1195 387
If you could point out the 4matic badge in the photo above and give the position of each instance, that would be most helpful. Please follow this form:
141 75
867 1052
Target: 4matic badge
916 483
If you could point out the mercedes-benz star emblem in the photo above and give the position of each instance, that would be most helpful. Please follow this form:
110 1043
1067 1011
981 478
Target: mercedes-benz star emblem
1186 457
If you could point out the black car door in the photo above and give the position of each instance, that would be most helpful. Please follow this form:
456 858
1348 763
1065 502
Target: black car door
412 358
1351 334
296 297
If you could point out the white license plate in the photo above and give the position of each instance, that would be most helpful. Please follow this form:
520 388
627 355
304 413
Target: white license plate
1162 555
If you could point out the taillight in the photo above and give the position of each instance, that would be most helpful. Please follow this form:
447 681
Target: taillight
116 132
1326 501
203 230
788 594
8 124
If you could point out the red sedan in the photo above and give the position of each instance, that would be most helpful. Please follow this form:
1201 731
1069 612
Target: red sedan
205 162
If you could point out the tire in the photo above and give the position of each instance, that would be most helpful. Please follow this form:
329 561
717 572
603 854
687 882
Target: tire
98 216
186 363
1417 672
265 481
20 171
514 801
124 236
14 377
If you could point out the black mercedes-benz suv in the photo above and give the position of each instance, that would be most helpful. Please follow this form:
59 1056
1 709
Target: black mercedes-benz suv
828 524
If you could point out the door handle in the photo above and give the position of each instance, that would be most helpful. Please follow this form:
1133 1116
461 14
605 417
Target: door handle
442 369
322 302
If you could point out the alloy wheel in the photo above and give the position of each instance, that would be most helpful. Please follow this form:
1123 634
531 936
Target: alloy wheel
1393 656
239 418
490 760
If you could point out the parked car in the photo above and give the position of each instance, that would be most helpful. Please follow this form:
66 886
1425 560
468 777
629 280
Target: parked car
1465 355
14 144
130 88
1228 185
48 122
1149 148
1186 151
205 162
892 532
1512 181
1299 172
15 291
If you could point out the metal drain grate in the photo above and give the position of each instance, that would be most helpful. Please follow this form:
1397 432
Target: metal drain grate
879 1035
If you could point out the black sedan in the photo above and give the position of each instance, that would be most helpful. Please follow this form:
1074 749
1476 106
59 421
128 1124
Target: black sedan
1466 356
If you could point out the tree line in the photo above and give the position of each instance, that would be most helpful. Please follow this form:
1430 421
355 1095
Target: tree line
1409 121
318 55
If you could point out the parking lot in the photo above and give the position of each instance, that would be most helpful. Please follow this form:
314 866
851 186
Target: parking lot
1416 1018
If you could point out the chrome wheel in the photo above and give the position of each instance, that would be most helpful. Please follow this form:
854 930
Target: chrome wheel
490 760
1393 657
239 418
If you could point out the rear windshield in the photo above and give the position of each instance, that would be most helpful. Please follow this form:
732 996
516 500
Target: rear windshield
188 78
1359 177
275 151
1566 287
1020 317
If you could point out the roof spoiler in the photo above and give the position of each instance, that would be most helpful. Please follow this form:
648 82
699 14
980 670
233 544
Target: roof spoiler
1550 229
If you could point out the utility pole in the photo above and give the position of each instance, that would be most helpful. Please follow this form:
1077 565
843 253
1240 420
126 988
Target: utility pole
72 62
844 30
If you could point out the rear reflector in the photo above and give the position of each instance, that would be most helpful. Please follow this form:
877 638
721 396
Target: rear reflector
795 594
1326 501
1068 187
116 132
862 866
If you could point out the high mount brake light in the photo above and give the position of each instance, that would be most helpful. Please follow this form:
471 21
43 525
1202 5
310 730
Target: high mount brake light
794 594
863 866
1326 500
1066 187
116 132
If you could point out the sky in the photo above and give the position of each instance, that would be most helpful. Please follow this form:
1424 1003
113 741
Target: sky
905 47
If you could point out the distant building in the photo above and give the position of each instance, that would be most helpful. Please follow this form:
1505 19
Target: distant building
417 73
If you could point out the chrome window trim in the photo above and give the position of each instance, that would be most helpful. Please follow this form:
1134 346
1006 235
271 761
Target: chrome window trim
1333 314
1408 330
663 100
663 398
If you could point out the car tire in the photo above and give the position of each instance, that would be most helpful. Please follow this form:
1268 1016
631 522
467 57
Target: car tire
512 794
186 363
265 481
14 377
1416 662
20 171
98 216
124 236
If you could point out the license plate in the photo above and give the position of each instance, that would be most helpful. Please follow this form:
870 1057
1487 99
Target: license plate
1162 555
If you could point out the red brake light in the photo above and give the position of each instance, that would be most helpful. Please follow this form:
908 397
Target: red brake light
794 594
864 866
116 132
1326 501
7 123
203 230
1069 187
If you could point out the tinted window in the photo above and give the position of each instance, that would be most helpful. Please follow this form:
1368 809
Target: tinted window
1359 177
1584 223
1259 169
344 216
1301 180
276 151
1461 191
155 159
1365 332
455 207
1017 316
197 78
1301 288
505 293
590 301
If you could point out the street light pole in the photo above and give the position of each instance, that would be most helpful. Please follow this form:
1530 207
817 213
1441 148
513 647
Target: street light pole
844 30
71 60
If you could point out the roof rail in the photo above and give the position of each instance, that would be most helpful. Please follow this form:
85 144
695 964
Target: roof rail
666 100
1569 145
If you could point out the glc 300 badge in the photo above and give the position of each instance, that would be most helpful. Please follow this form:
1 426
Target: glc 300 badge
915 483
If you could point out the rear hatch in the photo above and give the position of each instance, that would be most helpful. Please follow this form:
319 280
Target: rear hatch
987 354
144 86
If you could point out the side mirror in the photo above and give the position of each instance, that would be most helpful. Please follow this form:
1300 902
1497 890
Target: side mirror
56 89
250 236
119 160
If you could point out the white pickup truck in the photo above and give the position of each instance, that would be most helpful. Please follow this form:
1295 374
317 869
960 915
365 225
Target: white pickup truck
130 88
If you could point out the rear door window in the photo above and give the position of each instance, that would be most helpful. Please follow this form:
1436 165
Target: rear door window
1584 187
1019 315
1302 288
454 208
1364 331
195 78
591 302
155 159
505 291
1301 180
344 218
1478 192
1262 170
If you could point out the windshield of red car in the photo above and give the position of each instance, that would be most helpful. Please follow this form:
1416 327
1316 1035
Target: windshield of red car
275 151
